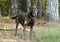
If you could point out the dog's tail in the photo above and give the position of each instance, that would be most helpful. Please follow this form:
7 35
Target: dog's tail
13 17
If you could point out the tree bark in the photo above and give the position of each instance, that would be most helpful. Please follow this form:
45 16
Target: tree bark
24 5
28 5
35 2
13 7
52 10
39 7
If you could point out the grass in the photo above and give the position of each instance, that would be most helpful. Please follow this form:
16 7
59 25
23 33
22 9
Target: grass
48 35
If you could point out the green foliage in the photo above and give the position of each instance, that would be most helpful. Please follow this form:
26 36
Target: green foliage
5 7
43 7
32 2
19 4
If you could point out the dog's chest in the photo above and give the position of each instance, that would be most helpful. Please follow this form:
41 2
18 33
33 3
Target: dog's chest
29 22
26 20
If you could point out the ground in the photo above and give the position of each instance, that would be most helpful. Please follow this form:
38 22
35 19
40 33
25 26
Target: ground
7 34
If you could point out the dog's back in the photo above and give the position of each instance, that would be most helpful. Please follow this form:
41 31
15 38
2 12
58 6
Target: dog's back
21 18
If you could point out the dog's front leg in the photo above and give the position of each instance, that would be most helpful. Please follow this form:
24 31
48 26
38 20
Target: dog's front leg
16 29
17 23
31 28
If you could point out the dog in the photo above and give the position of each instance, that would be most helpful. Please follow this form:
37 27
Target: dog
26 20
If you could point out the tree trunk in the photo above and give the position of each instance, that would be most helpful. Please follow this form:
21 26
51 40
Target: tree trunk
39 6
0 12
24 5
52 10
35 2
13 7
28 5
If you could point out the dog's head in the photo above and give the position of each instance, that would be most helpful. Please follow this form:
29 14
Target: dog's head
34 10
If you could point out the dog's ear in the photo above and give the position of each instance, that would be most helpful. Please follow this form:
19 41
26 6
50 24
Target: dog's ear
30 8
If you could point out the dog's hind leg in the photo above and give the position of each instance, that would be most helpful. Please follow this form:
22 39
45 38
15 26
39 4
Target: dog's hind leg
24 34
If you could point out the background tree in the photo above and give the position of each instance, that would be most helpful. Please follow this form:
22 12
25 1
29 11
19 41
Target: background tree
32 2
13 7
24 5
52 10
0 12
28 5
43 8
59 7
5 6
39 6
